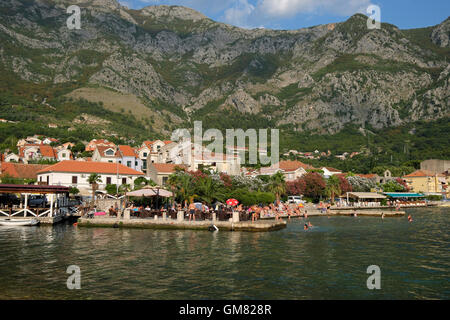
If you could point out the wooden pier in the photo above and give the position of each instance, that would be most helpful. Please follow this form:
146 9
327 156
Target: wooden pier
258 226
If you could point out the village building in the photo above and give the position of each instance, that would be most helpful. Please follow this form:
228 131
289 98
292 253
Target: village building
20 170
427 182
122 154
328 171
292 170
130 158
106 154
64 154
11 157
99 142
50 140
36 152
160 172
149 152
76 174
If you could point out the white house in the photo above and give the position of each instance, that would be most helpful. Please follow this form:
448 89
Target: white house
130 158
328 171
76 174
149 152
64 154
12 157
292 170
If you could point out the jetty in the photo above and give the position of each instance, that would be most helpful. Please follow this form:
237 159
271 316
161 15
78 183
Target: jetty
56 211
137 223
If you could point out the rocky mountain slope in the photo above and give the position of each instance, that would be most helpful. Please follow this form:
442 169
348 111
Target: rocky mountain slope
183 66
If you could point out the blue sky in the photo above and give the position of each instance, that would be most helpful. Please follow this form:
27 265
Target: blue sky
295 14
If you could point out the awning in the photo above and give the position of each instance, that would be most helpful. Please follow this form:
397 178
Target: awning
366 195
150 192
403 195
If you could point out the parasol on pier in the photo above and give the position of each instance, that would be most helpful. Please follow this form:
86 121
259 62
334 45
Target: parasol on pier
232 202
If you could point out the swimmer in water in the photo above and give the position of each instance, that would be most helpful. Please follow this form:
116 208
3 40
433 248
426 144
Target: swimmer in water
305 227
410 219
310 225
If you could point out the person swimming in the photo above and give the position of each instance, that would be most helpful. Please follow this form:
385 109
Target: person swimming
305 227
310 225
410 219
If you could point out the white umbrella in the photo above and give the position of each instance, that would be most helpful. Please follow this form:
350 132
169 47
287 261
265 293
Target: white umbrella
150 192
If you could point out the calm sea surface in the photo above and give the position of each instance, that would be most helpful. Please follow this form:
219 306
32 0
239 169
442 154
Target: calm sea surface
327 262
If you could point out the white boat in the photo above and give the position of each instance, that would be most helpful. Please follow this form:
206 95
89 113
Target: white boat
19 222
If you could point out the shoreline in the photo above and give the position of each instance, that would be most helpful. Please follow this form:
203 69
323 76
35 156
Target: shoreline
248 226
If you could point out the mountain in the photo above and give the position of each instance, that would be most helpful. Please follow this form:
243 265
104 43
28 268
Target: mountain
145 72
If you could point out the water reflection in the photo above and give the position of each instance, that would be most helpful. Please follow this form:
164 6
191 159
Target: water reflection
326 262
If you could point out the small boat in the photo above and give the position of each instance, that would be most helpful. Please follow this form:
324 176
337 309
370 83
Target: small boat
19 222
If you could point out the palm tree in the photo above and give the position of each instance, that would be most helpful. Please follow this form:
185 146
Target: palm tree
333 187
182 184
93 180
277 184
209 190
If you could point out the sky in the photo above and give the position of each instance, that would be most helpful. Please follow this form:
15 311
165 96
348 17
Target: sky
296 14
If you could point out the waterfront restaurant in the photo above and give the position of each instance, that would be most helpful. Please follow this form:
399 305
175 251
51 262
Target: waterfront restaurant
58 197
365 199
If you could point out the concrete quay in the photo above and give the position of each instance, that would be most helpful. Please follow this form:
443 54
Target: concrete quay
258 226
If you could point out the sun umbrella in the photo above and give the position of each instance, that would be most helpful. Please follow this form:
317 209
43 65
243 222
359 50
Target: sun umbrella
232 202
198 205
300 205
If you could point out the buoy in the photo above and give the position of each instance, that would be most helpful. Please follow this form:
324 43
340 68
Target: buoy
213 228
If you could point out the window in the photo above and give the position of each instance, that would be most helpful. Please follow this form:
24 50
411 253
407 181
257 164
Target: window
109 152
135 163
108 180
164 180
74 179
145 154
129 164
48 179
64 155
124 180
110 161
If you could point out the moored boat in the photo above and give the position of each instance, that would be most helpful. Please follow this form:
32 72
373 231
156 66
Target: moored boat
19 222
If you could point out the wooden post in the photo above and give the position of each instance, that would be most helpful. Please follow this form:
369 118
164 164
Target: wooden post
26 204
51 205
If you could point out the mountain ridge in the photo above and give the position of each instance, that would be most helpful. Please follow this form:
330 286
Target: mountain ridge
184 66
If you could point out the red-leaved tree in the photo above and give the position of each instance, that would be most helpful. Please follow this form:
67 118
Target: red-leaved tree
296 187
314 185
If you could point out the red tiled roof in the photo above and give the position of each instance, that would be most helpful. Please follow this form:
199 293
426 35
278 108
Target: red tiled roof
21 171
102 150
47 151
368 176
293 165
127 151
423 173
91 167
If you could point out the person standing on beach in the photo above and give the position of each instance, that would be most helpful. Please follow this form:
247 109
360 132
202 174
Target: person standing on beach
192 211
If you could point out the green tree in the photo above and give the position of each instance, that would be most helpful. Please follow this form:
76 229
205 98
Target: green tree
74 191
277 185
93 180
333 187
